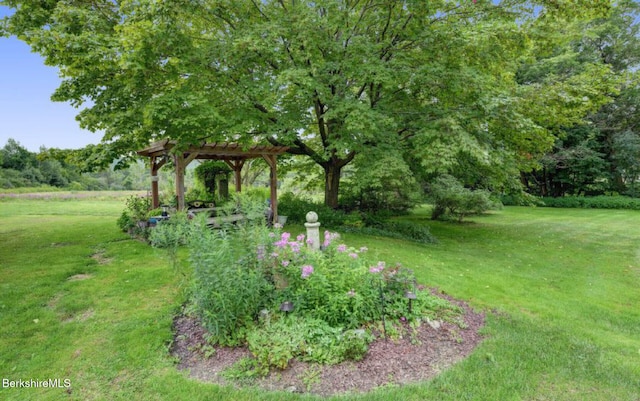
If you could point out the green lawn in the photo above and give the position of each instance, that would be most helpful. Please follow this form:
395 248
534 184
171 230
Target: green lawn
81 301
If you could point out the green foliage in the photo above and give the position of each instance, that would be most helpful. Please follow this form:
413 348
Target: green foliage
243 275
63 168
229 290
16 157
171 234
257 195
626 154
597 155
296 208
520 199
276 343
135 215
334 81
382 181
208 173
406 230
594 202
373 223
449 196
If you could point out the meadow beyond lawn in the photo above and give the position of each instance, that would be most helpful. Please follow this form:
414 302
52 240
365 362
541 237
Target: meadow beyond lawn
84 306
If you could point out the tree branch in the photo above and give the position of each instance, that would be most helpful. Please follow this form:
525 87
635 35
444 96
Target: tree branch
259 10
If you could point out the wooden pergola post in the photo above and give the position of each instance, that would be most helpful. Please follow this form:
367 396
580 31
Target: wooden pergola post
155 166
181 163
236 165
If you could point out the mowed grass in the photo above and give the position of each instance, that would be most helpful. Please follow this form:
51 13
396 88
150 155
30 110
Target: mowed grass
80 300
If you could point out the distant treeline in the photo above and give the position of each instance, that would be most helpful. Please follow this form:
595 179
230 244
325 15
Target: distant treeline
54 167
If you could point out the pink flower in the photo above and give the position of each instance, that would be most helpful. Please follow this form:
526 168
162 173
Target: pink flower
378 268
309 241
285 263
353 255
300 238
328 237
285 236
342 248
307 270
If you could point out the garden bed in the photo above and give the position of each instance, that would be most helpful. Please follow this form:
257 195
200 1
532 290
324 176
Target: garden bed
411 358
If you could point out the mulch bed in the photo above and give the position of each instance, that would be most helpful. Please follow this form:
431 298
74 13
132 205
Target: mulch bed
391 362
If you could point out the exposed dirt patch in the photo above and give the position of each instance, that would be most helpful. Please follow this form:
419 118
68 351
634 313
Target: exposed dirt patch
100 258
80 317
79 277
53 302
412 358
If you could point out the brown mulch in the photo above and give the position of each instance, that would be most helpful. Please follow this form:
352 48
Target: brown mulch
392 362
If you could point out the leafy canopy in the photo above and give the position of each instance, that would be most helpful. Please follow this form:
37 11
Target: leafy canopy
334 80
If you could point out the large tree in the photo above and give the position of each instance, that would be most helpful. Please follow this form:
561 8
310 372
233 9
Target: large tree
600 153
334 80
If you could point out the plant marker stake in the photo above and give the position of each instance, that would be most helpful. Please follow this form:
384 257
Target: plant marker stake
384 324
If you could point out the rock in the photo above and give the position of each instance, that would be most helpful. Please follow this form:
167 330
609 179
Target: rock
435 324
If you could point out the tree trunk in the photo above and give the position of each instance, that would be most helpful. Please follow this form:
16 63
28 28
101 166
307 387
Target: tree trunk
332 170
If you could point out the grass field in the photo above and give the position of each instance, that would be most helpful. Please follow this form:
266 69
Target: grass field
80 300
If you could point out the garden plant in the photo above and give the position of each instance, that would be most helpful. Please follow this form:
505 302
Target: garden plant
271 290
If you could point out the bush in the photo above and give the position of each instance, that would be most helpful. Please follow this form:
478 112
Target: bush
135 215
396 229
450 196
521 199
596 202
296 209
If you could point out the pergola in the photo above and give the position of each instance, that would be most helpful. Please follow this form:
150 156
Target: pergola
231 153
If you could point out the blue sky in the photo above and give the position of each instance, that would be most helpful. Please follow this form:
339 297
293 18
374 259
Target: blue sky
27 113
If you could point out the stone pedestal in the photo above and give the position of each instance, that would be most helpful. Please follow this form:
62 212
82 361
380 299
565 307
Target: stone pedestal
313 230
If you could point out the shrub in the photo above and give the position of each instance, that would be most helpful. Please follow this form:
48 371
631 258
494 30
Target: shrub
134 217
595 202
296 209
450 196
398 229
520 199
